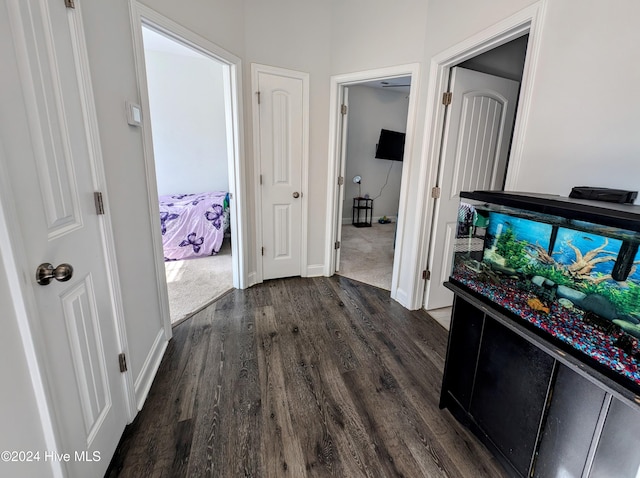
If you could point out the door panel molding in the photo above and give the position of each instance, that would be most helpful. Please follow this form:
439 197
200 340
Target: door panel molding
49 128
87 352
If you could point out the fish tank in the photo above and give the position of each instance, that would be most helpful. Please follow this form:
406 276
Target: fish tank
568 269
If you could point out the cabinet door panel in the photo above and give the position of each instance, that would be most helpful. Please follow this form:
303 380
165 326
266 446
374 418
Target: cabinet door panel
510 392
569 426
617 453
462 353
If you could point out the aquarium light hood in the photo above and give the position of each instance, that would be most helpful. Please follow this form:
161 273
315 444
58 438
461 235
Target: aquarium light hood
623 216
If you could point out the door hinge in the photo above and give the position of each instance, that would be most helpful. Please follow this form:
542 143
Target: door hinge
97 198
122 359
261 180
336 245
446 98
435 192
340 180
343 109
262 250
258 93
426 274
70 3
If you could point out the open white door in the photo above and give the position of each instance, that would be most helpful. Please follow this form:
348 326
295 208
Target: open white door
283 151
51 167
344 131
475 150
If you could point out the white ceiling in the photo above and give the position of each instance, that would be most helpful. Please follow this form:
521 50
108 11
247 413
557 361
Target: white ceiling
401 84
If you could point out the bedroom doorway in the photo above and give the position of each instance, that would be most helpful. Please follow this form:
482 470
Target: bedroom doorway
188 121
367 103
375 123
475 150
190 93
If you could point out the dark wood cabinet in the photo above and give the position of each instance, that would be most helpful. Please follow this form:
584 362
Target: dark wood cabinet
541 412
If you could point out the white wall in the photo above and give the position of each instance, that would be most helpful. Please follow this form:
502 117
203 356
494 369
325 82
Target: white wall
584 127
296 34
186 96
110 49
371 109
369 34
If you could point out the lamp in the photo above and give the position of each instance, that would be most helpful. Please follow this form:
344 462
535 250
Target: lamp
358 180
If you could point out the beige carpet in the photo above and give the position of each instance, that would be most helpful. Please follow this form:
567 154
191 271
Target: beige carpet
366 253
193 284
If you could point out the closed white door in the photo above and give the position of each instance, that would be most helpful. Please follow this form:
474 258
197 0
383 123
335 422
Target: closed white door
49 163
475 150
282 151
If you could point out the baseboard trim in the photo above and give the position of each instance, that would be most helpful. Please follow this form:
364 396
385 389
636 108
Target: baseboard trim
402 298
316 270
252 278
150 368
347 220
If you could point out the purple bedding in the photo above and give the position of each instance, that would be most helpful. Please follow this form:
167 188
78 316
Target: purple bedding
193 225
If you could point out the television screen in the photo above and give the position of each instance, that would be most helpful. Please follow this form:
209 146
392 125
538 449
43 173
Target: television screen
390 145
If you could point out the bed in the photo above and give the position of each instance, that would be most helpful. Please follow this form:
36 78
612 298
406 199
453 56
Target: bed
193 225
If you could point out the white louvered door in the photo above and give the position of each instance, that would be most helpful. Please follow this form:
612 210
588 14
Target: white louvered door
474 156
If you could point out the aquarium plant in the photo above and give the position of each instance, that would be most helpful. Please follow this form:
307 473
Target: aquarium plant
513 250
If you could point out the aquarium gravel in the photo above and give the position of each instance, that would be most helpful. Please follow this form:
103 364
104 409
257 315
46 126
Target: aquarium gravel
562 323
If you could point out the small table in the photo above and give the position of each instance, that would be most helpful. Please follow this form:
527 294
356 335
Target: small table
362 212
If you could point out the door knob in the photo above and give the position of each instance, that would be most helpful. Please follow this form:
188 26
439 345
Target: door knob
46 272
296 195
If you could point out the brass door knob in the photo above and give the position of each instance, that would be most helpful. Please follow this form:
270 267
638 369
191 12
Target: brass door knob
296 195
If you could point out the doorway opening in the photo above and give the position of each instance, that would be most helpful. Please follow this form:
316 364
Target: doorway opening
188 119
483 162
190 91
367 193
375 126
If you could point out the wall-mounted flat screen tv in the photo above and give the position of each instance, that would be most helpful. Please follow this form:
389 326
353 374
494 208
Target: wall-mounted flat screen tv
390 145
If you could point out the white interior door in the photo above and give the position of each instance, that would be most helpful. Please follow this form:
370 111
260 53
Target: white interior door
344 135
475 149
49 164
282 150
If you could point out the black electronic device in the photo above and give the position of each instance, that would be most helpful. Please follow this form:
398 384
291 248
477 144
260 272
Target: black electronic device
390 145
619 196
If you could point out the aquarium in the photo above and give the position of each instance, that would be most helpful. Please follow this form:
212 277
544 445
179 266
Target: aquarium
569 269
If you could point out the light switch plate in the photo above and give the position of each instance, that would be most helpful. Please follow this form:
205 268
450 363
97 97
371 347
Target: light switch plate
134 114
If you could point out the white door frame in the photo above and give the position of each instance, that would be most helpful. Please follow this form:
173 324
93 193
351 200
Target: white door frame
256 69
338 84
232 71
528 20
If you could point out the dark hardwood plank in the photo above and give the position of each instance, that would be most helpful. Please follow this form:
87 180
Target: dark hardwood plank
301 377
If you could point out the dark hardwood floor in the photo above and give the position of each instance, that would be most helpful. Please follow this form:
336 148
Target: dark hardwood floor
301 377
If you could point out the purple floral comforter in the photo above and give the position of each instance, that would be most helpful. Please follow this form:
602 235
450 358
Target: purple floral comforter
193 225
